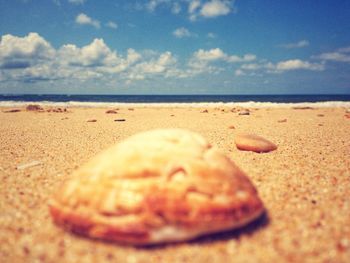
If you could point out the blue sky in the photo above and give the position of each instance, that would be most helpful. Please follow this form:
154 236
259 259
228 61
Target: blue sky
174 46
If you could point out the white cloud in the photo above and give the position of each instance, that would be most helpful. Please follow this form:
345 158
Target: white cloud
295 64
211 35
157 66
280 67
253 66
153 4
300 44
31 59
340 55
83 19
209 9
112 25
176 8
164 65
237 59
181 32
77 2
218 54
23 52
344 50
202 60
215 8
239 72
193 6
210 55
93 55
133 56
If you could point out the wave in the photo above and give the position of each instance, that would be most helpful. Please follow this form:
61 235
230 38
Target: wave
248 104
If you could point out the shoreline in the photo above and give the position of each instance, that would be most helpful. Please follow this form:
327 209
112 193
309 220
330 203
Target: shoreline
249 104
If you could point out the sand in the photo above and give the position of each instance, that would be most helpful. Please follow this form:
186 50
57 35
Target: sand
304 184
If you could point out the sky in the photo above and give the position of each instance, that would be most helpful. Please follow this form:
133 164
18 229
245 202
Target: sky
174 47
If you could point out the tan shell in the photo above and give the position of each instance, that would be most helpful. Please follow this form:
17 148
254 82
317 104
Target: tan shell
157 186
255 143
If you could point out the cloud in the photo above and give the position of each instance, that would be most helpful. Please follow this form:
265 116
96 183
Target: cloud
176 8
252 66
209 9
22 52
280 67
202 60
210 55
160 65
164 65
32 59
215 8
182 32
340 55
153 4
300 44
237 59
193 6
218 54
93 55
83 19
211 35
112 25
296 64
239 72
77 2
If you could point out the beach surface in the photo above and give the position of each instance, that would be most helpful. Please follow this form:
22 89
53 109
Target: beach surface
304 184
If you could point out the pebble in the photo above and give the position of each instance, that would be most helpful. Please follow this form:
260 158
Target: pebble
111 112
231 127
92 120
204 111
254 143
13 110
34 107
246 112
302 108
119 120
59 110
283 120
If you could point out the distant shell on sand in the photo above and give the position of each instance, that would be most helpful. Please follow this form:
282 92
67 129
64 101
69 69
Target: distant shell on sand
255 143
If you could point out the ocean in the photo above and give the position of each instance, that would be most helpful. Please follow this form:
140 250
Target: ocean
200 100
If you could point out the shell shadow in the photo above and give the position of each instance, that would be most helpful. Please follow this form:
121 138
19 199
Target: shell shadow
260 223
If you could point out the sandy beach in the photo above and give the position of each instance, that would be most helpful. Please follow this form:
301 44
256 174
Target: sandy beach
304 184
